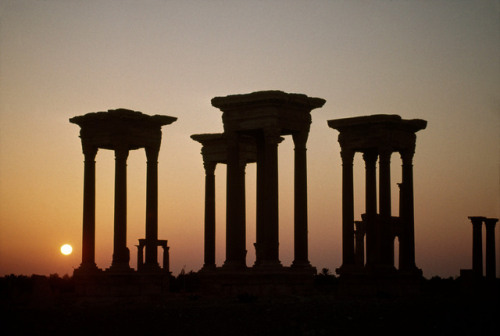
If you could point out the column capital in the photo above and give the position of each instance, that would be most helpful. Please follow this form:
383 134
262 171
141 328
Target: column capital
152 152
300 139
272 135
90 151
477 220
121 153
407 155
370 156
347 155
490 222
209 167
385 153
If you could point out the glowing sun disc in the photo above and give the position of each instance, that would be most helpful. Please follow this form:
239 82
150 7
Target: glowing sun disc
66 249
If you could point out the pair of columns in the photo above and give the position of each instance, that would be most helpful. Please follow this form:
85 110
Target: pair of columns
267 235
379 229
477 245
121 254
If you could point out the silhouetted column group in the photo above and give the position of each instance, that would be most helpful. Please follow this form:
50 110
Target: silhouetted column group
477 245
263 117
377 137
215 149
120 130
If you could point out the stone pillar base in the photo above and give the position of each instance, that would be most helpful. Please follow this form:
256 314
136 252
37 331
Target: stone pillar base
234 265
120 268
87 269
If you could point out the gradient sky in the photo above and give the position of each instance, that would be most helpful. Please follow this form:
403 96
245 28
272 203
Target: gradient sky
433 60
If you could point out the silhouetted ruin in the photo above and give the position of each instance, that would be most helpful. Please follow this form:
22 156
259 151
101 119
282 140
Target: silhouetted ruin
253 127
477 248
214 151
121 130
377 137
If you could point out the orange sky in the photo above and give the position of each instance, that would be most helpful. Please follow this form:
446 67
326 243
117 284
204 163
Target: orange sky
438 61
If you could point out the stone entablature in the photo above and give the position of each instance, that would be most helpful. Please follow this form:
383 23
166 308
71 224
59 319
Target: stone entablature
289 112
377 131
115 128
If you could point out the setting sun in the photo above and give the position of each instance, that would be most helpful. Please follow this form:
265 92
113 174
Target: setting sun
66 249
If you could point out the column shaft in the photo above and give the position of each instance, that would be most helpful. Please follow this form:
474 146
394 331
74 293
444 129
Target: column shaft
301 258
270 246
477 245
235 205
88 234
490 247
386 236
209 261
261 201
152 207
372 241
347 208
407 239
121 255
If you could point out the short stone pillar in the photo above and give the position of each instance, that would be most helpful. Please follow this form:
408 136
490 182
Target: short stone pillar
490 247
477 245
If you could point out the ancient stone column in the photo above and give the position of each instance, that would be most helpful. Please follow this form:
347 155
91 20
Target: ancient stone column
261 201
301 258
372 256
88 236
121 255
407 239
209 261
347 208
166 258
140 256
235 206
490 247
477 245
152 207
386 237
268 225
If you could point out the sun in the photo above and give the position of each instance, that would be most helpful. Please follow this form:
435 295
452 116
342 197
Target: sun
66 249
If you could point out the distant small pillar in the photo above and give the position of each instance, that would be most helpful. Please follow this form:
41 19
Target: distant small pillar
477 245
166 255
490 247
140 254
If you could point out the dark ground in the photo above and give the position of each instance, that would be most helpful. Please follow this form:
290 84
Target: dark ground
47 306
